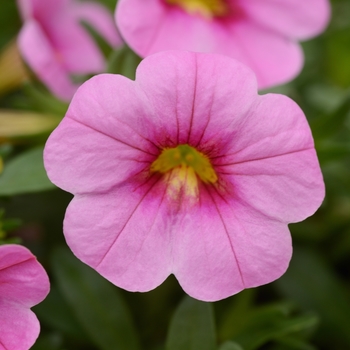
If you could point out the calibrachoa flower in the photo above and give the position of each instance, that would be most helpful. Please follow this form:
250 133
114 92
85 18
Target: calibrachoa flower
262 34
186 170
23 284
55 44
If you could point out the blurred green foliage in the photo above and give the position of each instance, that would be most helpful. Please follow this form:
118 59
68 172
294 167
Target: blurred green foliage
96 304
192 327
24 174
307 309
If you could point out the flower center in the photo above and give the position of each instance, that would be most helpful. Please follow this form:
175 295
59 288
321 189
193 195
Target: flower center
206 8
187 159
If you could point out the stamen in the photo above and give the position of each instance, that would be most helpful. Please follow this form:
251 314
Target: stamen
185 156
206 8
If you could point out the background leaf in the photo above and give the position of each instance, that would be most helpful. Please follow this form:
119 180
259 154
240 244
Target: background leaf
310 283
123 61
14 124
230 345
192 327
95 302
270 323
25 173
57 314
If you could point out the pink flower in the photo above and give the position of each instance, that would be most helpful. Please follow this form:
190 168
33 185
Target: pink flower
55 45
23 284
186 170
263 34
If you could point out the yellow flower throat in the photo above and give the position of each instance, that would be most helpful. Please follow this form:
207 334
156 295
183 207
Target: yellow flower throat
206 8
186 159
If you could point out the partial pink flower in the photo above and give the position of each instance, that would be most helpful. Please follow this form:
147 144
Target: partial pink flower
23 284
185 171
262 34
55 44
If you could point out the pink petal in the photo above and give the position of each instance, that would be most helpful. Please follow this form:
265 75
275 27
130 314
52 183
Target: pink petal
77 153
101 20
127 224
274 58
78 51
272 163
122 234
100 137
194 97
263 40
19 327
75 47
288 188
23 284
138 21
41 9
44 60
150 28
275 124
22 279
224 248
297 19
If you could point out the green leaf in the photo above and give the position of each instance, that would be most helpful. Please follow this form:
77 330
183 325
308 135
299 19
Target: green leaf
5 150
290 343
111 4
239 307
230 345
123 61
330 152
330 124
192 327
95 302
14 123
312 284
10 21
338 51
42 100
271 322
25 174
56 313
10 224
50 341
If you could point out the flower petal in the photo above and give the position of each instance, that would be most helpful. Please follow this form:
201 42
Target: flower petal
153 27
274 167
40 10
283 128
136 23
110 134
19 327
274 58
138 228
75 46
43 60
288 187
297 19
113 105
221 248
273 55
123 235
22 279
194 96
100 19
80 159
